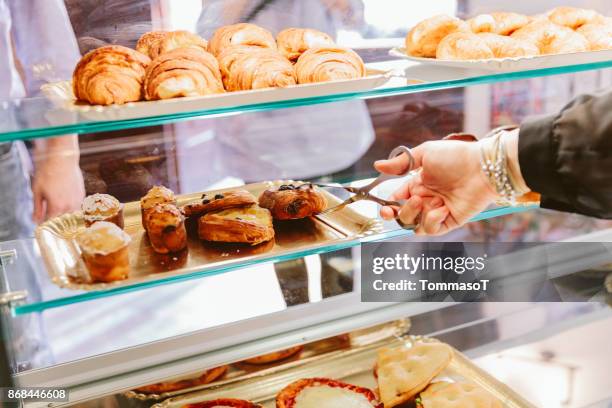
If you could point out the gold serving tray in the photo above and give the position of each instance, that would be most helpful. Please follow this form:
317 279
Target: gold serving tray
354 366
62 255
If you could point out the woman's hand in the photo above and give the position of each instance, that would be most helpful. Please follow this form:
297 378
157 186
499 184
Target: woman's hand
449 189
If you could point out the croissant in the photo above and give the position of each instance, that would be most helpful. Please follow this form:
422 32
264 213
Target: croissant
148 41
463 46
246 67
502 23
293 42
507 47
573 17
157 43
240 34
599 36
110 75
423 39
183 72
329 64
551 38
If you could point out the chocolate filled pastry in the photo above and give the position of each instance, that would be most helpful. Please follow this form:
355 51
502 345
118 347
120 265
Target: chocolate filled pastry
293 42
219 201
502 23
249 225
156 43
463 46
183 72
240 34
224 403
156 195
166 229
329 64
507 47
104 248
573 17
423 39
290 202
598 35
110 75
102 207
275 356
325 392
206 377
247 67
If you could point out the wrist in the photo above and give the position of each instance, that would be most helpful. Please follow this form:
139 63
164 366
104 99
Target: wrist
510 141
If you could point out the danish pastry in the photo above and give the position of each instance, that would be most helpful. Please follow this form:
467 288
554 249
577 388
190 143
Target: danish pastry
458 394
219 201
240 34
573 17
171 40
156 195
104 248
224 403
247 67
289 202
599 36
206 377
293 42
507 47
250 225
166 229
317 392
102 207
423 39
182 72
463 46
110 75
275 356
329 64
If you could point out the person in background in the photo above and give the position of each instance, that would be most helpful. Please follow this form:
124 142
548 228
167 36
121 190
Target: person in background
37 45
565 157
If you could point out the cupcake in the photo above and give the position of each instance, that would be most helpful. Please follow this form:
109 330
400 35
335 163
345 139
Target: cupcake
104 248
156 195
102 207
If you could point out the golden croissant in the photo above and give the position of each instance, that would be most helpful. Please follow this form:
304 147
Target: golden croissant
598 35
293 42
551 38
423 39
573 17
110 75
502 23
156 43
183 72
240 34
329 64
245 67
504 46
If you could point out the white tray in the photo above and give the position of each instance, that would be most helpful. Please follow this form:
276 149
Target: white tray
61 94
513 64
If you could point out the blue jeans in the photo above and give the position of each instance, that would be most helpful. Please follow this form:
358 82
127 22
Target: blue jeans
15 195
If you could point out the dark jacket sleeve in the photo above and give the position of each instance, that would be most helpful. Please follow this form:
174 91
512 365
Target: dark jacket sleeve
567 157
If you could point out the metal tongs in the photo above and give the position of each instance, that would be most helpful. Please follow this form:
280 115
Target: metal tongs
363 193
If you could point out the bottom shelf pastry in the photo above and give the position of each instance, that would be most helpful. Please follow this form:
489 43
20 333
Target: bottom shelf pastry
206 377
325 393
225 403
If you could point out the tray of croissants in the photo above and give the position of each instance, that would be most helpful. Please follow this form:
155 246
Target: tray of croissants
508 41
108 243
242 64
400 371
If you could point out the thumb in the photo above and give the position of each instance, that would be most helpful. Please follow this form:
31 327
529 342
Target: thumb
399 164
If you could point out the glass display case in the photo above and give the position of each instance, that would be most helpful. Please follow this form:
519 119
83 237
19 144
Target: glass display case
219 305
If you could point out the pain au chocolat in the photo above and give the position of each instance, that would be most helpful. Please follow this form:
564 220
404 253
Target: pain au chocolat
290 201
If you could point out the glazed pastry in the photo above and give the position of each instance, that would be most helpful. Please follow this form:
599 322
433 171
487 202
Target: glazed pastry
110 75
329 64
502 23
551 38
290 202
250 225
220 201
224 403
456 394
240 34
599 36
156 195
318 392
102 207
166 229
104 248
423 39
182 72
157 43
293 42
573 17
508 47
247 67
275 356
206 377
463 46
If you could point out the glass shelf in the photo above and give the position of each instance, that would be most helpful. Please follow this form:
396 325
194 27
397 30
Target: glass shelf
39 117
25 271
